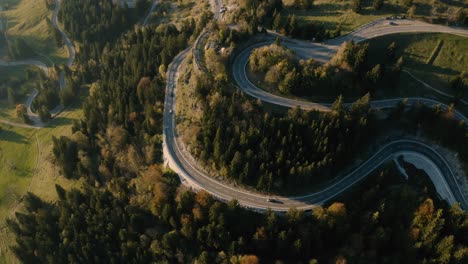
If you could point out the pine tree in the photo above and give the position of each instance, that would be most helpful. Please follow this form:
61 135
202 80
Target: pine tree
377 4
356 6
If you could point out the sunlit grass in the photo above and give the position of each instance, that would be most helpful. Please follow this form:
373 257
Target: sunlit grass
30 20
26 164
416 50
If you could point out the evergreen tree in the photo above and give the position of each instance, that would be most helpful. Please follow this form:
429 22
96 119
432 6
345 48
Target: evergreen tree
377 4
356 6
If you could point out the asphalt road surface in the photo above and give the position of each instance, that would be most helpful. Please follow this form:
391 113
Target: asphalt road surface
324 52
194 176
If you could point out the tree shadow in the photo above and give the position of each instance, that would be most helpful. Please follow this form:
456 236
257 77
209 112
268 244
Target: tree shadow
322 10
423 10
435 69
60 121
387 9
12 136
458 3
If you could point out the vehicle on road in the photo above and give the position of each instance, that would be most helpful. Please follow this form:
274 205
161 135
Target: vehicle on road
325 52
272 200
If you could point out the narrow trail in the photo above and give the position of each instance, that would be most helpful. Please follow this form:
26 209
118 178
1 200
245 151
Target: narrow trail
35 121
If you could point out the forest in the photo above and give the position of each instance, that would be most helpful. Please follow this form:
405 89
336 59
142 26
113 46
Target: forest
274 152
280 15
15 91
349 71
96 23
387 221
131 210
122 124
267 14
18 49
48 97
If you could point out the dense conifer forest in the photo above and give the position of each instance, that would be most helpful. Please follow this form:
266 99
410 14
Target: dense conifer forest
387 221
97 23
274 152
122 122
349 72
132 210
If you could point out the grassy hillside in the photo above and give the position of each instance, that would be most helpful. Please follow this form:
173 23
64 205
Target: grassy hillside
334 13
26 165
30 20
435 67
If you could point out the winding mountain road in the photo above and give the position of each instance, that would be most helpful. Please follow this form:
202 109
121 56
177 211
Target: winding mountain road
192 175
324 52
195 177
33 117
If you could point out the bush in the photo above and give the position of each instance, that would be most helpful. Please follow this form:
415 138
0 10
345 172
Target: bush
356 6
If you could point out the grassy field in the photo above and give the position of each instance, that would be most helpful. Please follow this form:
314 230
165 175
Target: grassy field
334 13
30 21
436 69
26 165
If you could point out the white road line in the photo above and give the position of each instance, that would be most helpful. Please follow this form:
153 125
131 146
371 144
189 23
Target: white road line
225 192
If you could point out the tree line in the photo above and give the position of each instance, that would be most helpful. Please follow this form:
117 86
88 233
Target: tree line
48 97
97 23
130 210
122 124
434 123
387 220
349 71
276 152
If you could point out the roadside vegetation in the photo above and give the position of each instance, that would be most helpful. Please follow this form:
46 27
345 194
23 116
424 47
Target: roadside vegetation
384 219
278 153
349 73
432 123
168 11
385 67
339 17
128 208
16 83
15 89
323 19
